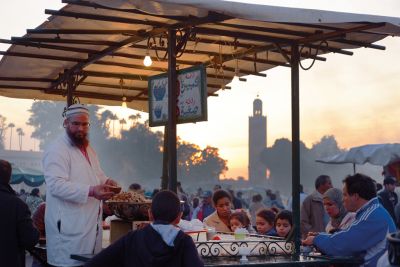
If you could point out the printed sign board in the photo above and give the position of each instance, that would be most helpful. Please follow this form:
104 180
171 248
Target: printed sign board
192 96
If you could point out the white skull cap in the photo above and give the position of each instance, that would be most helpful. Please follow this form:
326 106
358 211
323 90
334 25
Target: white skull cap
75 109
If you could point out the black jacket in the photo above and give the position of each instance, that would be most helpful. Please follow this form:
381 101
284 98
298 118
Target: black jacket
388 200
146 248
17 232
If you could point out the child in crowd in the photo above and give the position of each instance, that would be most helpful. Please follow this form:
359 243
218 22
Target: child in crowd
283 223
265 222
160 244
239 219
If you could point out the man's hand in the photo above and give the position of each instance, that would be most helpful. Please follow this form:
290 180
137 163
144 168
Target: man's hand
101 192
111 182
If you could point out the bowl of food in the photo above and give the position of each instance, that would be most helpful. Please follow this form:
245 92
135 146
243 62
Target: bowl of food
129 206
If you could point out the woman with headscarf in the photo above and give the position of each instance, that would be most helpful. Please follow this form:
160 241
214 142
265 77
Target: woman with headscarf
340 219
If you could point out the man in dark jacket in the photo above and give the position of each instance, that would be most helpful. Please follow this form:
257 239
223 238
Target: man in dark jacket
388 196
160 244
17 232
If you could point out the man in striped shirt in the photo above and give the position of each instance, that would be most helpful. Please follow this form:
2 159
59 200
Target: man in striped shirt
366 236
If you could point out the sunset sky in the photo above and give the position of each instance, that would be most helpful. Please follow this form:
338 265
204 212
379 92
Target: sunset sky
355 98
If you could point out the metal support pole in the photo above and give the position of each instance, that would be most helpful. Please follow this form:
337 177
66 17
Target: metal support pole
295 58
172 116
70 90
164 177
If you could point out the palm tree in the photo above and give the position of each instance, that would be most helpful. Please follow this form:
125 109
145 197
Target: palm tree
11 126
122 122
134 118
20 134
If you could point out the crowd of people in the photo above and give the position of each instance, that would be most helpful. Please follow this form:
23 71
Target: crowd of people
335 221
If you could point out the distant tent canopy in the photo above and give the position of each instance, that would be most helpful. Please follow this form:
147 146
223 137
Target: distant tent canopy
30 177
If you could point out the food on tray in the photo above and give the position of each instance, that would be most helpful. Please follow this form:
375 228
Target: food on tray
131 197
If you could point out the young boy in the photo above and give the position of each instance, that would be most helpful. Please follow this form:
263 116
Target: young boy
158 244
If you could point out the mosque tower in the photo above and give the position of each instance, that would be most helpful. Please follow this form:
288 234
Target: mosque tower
257 144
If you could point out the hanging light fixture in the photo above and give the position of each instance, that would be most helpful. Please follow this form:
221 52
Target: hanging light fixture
123 104
236 77
121 84
147 59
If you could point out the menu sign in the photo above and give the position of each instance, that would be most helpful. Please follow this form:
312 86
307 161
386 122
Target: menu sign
191 104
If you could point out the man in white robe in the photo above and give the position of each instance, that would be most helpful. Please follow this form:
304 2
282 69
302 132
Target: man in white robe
76 187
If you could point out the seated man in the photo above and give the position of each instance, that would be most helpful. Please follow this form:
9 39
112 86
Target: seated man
158 244
366 236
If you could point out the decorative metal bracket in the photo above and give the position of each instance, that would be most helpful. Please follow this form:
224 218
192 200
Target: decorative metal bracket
159 43
310 54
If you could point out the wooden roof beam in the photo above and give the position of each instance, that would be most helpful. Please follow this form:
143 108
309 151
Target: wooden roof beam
80 31
65 41
78 15
337 34
26 79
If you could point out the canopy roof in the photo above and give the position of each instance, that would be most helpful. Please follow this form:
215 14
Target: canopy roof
376 154
103 43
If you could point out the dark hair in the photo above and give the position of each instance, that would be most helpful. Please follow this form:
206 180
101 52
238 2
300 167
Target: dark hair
220 194
256 198
267 215
35 192
389 180
242 217
378 186
5 172
165 206
360 184
135 187
285 215
321 180
196 202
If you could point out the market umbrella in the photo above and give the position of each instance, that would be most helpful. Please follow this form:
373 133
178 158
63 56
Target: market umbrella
376 154
29 176
385 155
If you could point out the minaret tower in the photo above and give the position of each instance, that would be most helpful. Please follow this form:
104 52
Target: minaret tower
257 143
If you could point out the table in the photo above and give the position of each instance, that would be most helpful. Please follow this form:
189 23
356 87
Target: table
264 261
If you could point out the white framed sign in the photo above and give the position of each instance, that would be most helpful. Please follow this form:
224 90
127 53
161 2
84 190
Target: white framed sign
192 96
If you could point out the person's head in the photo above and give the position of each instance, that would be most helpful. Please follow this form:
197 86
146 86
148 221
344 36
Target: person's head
76 124
283 223
206 197
155 191
256 198
333 202
323 183
239 194
217 187
135 187
195 202
389 183
165 208
239 219
222 201
5 172
265 221
35 192
358 189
